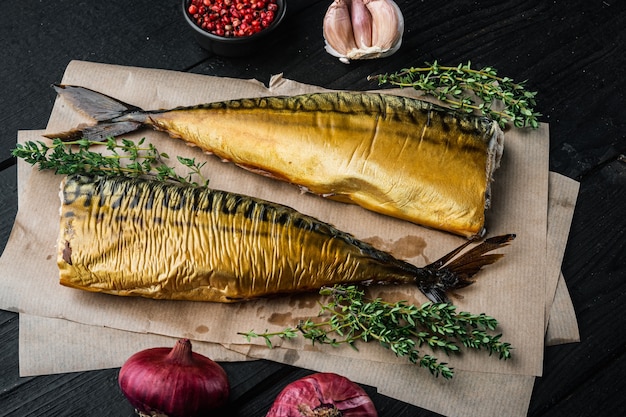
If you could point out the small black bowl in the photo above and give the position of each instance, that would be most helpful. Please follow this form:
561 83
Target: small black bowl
234 46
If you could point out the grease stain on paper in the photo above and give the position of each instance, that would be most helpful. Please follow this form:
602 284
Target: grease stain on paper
311 348
281 319
305 300
563 202
202 329
291 357
259 312
406 247
399 295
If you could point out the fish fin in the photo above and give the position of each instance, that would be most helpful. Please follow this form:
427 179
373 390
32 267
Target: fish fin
434 294
446 258
97 132
114 117
452 273
93 104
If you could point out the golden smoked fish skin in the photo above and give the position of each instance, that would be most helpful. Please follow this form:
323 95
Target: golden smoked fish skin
128 237
393 155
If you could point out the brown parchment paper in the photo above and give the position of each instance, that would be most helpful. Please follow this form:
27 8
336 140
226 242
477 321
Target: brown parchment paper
563 325
513 290
41 352
563 193
470 394
32 326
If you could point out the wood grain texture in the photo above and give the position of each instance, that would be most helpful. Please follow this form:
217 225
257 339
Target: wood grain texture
594 266
570 52
8 203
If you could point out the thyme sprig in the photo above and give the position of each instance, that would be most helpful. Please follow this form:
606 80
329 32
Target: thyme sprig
125 158
469 90
398 326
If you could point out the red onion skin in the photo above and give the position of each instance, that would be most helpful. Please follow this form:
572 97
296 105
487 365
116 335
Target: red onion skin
323 389
174 382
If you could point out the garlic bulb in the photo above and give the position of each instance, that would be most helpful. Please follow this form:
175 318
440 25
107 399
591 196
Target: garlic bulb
363 29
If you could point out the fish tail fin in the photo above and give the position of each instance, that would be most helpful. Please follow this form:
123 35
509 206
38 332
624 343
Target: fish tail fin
453 272
114 117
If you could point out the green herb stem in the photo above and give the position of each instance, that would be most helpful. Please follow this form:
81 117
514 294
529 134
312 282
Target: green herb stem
400 327
470 90
125 158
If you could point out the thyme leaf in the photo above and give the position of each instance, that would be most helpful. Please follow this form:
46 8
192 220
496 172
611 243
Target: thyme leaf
402 328
471 90
126 157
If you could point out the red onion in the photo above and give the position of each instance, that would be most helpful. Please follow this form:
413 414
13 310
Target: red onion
323 395
173 382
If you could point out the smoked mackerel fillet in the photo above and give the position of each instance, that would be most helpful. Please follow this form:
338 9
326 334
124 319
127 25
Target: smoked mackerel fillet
161 240
393 155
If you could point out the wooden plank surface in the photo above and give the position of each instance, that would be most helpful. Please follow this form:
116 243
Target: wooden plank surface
571 52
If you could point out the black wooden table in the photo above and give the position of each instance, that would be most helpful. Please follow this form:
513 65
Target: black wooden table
571 52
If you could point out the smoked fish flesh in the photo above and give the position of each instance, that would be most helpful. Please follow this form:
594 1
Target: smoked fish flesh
397 156
137 237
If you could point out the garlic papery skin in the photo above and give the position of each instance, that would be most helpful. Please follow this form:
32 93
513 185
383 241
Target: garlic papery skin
338 27
361 20
388 25
363 29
